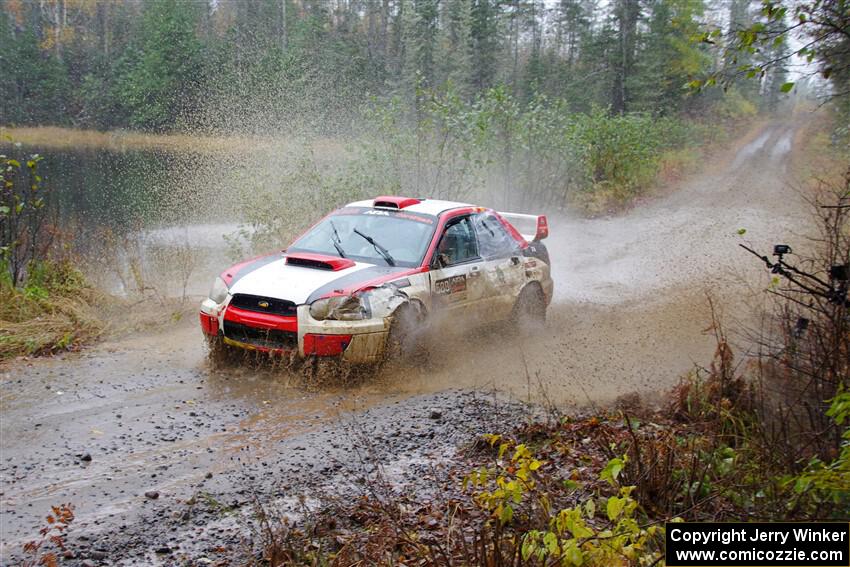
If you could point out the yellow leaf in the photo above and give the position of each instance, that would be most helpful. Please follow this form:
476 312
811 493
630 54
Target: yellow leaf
615 507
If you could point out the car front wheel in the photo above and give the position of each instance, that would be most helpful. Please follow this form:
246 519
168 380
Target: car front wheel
405 339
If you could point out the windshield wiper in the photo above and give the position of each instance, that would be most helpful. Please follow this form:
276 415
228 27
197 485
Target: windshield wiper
381 250
335 239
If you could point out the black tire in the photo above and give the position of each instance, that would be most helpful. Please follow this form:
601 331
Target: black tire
529 312
404 341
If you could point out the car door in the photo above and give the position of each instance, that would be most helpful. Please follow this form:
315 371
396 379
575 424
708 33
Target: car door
502 268
457 288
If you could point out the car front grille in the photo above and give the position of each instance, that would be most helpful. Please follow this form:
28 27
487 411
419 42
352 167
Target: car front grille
255 303
268 338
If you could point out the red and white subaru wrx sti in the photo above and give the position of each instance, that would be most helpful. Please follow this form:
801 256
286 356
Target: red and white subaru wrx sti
365 280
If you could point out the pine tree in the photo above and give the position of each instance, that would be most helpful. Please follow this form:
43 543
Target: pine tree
535 73
626 15
420 37
740 18
667 58
455 46
161 79
575 64
485 43
33 83
572 25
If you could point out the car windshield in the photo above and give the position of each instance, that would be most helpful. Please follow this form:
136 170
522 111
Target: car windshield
405 236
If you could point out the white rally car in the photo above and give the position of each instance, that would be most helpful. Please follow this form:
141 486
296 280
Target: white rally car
364 281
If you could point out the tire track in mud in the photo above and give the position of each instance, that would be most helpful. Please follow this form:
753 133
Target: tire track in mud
628 315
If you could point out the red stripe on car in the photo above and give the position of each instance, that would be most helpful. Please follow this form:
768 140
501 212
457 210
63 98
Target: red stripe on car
374 282
233 271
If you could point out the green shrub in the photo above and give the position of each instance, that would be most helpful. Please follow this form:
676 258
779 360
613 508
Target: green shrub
734 107
828 482
51 311
514 494
23 234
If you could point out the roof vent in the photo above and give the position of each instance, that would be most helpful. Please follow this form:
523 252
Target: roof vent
390 202
318 261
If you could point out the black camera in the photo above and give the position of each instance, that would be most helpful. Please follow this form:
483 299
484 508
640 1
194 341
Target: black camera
780 249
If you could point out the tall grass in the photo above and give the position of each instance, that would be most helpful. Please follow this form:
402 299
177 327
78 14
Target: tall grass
57 138
51 312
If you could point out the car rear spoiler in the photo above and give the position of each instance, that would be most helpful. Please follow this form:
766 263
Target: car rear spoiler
531 227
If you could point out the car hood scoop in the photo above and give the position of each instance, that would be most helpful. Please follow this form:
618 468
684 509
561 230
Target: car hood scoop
295 277
318 261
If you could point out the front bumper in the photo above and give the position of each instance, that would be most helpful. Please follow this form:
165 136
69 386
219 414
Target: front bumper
358 342
368 336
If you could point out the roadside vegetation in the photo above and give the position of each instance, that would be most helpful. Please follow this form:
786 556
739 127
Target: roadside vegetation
44 299
303 66
52 311
47 304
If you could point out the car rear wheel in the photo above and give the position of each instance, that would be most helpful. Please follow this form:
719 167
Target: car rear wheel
530 309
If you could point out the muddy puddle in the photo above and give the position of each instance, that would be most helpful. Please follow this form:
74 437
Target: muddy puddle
143 414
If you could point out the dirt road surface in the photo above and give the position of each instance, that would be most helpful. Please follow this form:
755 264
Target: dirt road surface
146 415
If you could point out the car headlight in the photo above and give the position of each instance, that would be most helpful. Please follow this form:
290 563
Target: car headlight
219 291
341 308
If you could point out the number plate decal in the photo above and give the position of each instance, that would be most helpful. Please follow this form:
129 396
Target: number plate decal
451 289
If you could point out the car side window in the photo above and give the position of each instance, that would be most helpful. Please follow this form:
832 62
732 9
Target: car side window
494 239
458 242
